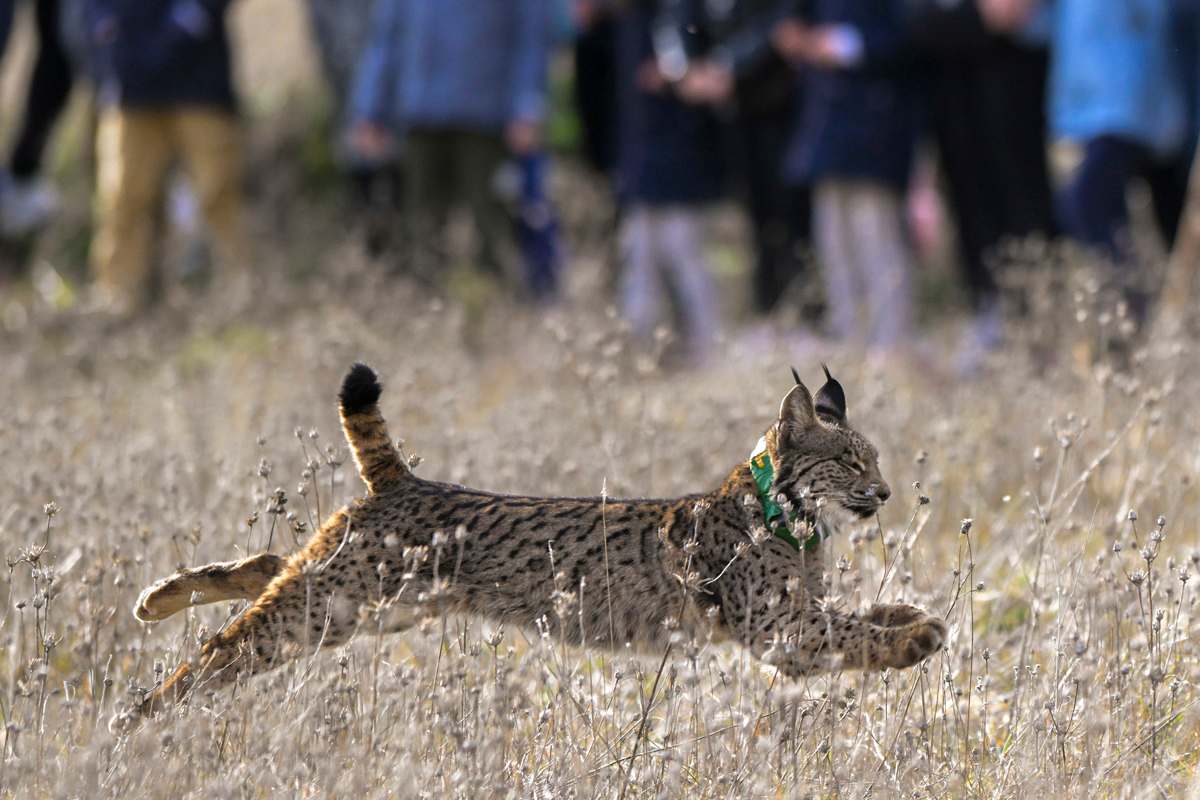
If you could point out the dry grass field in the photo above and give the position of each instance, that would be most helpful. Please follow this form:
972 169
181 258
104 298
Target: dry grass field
1072 664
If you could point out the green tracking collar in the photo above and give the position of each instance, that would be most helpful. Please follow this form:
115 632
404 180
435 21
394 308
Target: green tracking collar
764 476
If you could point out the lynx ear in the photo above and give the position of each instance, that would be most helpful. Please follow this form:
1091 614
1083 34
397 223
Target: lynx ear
796 412
831 400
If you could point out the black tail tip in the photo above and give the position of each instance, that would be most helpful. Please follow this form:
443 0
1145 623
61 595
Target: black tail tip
360 389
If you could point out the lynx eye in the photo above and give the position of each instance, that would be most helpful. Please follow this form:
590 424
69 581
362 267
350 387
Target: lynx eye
857 466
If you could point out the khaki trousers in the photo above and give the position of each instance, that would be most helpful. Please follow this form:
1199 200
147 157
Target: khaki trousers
134 151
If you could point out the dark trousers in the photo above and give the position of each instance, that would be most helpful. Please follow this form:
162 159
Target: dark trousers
596 93
780 214
990 125
6 17
49 87
1093 206
446 168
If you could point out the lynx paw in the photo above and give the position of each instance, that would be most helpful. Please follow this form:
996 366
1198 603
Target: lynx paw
892 615
916 641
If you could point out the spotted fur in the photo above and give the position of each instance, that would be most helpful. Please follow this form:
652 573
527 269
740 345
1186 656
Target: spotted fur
594 570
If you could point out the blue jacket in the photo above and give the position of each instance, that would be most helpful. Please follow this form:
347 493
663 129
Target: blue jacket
858 122
669 152
161 53
471 64
1114 72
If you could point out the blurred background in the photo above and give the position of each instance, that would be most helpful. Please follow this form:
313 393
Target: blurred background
721 172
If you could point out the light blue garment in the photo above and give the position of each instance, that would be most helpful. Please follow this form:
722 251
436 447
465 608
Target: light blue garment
469 64
1114 73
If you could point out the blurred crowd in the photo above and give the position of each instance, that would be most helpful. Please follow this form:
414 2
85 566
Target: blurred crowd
831 122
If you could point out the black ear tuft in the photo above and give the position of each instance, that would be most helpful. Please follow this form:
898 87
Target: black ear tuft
831 400
796 375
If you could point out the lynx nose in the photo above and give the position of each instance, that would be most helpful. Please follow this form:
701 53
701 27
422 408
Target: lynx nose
882 492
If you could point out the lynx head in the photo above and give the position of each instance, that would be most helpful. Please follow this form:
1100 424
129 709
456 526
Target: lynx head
820 461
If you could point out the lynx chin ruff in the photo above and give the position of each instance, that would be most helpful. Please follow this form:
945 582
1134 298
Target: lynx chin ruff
741 559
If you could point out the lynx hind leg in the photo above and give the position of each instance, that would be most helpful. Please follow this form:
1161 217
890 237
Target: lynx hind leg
224 580
298 615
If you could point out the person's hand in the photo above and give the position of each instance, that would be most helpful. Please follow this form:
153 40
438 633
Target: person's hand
649 78
1006 16
833 46
523 136
706 82
371 141
587 13
790 38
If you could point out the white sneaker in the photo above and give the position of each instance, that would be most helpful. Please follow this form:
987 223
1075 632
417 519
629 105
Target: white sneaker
26 205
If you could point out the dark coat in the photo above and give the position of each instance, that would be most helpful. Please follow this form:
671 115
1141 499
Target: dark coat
670 152
858 122
162 53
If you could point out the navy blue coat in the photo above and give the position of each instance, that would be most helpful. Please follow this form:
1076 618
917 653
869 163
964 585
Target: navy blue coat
669 151
162 53
859 122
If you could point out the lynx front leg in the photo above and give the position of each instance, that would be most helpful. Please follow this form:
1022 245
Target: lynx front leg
224 580
788 628
897 647
891 615
818 640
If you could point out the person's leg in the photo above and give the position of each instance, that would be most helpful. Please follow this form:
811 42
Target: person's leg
641 290
1168 182
1093 204
49 87
537 228
1016 109
210 143
6 17
478 159
833 238
133 151
762 140
681 238
428 170
884 259
961 123
596 93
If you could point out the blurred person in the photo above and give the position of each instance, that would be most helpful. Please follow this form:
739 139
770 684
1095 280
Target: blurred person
535 216
986 98
27 200
595 56
744 69
462 86
854 144
342 32
1117 91
669 172
165 92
